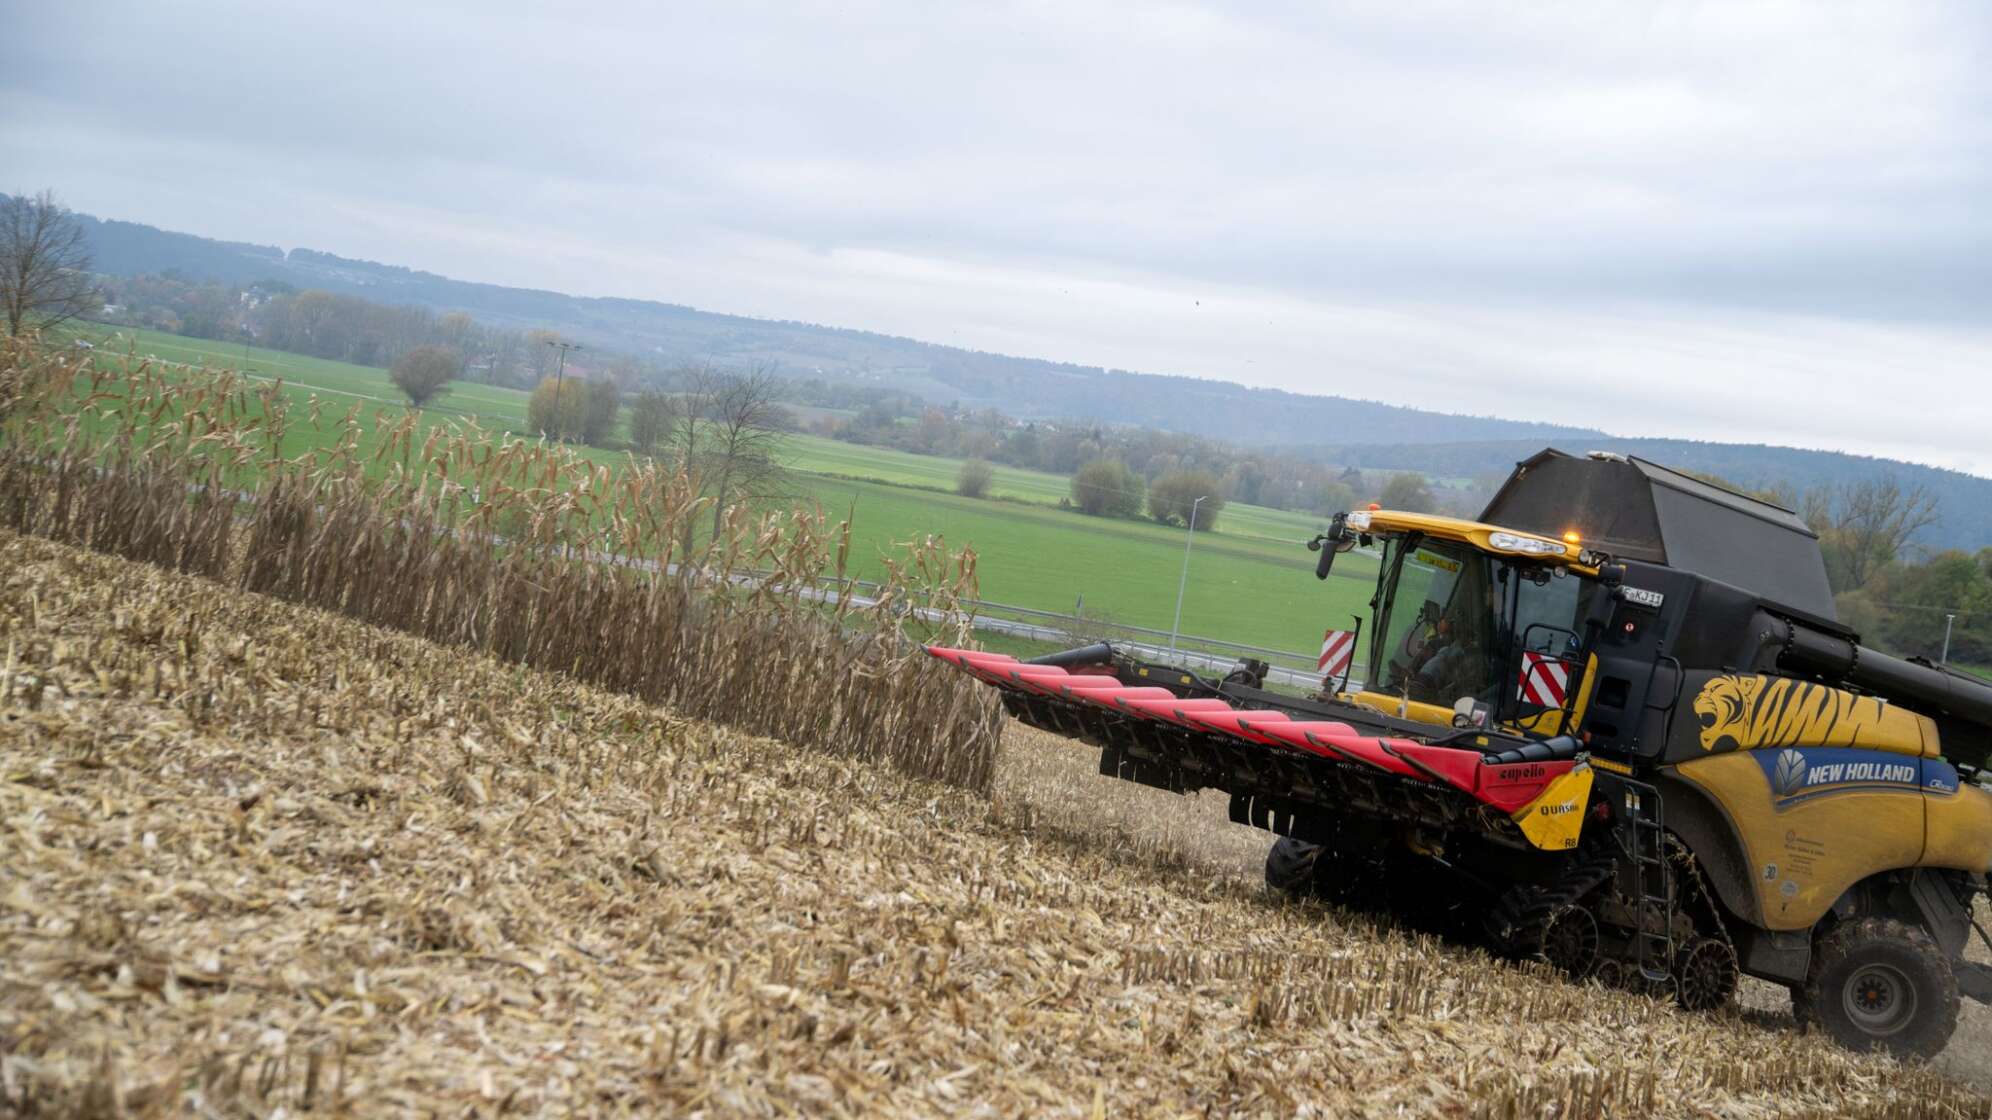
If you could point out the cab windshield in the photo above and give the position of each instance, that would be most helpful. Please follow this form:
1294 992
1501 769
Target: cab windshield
1437 622
1452 623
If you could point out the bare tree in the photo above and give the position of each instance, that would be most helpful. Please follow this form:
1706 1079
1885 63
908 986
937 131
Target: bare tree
557 409
1864 526
1186 498
44 264
742 415
601 400
652 418
454 329
1106 488
425 373
1408 492
687 434
540 355
973 480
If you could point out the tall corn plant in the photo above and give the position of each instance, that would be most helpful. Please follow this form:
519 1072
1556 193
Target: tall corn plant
124 463
519 549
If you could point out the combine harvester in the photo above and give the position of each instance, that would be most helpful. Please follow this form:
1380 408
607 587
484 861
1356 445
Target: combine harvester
1614 726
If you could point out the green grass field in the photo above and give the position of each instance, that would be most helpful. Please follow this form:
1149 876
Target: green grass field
494 406
1240 590
1250 582
817 455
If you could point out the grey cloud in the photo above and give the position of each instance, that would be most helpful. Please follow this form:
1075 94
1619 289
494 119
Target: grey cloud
1634 163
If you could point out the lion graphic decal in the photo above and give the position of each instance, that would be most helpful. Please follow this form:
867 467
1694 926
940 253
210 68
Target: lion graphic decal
1723 706
1746 712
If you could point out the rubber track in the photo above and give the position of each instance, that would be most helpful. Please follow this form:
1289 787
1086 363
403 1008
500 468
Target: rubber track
1521 917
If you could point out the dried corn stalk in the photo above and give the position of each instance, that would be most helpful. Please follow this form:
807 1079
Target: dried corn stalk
513 547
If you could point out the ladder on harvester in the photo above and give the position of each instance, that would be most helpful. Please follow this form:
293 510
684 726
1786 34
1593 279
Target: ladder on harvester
1652 893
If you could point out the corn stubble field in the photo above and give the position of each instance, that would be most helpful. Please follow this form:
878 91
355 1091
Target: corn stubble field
374 850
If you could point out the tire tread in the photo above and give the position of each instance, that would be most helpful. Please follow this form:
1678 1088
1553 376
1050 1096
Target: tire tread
1812 1005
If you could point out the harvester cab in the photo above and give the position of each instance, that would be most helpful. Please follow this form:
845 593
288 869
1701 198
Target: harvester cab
1459 610
1611 724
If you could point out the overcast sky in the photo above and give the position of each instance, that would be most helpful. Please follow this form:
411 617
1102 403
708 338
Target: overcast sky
1722 221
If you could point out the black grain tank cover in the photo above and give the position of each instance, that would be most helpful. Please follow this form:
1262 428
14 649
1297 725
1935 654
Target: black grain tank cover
1637 510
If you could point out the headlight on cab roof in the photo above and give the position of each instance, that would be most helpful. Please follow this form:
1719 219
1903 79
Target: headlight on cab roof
1527 546
1358 520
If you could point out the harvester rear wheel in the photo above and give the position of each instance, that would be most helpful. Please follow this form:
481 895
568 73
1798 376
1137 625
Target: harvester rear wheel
1878 983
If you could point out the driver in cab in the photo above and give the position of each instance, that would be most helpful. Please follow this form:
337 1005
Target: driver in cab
1452 662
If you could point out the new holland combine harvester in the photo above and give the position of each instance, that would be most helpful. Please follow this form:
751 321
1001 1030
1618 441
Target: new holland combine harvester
1614 726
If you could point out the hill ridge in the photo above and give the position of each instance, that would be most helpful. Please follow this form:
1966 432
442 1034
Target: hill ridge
1385 435
1027 387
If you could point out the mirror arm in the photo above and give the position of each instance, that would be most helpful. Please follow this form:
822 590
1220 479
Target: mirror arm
1328 544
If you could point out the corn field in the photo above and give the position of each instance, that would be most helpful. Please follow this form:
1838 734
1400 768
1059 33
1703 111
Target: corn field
261 858
515 548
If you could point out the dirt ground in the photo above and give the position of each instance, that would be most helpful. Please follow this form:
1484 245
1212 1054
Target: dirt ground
260 858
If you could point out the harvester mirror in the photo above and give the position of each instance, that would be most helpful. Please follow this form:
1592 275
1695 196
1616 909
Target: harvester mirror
1337 539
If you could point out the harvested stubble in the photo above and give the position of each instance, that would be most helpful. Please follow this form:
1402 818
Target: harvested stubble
262 856
512 547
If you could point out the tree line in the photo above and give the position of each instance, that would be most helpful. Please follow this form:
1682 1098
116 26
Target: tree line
1276 479
322 324
1900 598
1933 606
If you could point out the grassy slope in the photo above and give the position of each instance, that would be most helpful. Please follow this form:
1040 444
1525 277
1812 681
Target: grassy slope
1036 556
1249 582
831 457
283 860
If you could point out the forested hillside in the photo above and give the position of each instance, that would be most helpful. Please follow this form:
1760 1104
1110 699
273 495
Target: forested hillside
1027 388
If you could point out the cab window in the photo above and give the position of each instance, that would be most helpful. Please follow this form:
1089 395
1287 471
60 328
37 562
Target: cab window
1546 611
1438 623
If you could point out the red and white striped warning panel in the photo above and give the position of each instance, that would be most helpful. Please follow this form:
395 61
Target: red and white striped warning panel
1338 649
1545 680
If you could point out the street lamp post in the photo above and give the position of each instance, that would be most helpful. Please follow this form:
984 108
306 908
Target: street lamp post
559 377
1189 536
1948 619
